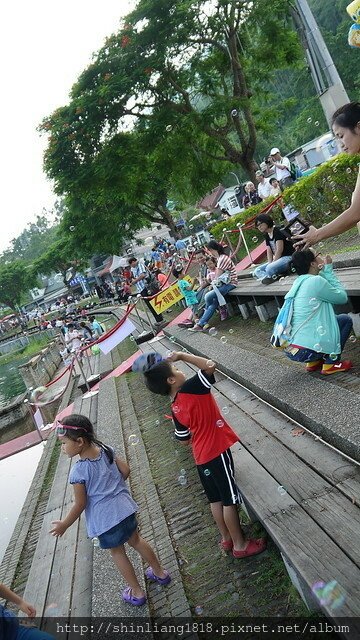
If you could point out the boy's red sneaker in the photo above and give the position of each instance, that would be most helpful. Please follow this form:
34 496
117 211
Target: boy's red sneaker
337 367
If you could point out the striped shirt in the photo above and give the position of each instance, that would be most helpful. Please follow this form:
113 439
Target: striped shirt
226 264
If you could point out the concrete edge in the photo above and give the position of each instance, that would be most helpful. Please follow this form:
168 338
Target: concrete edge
15 547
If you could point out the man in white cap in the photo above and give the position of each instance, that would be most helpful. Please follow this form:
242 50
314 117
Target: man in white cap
264 188
282 168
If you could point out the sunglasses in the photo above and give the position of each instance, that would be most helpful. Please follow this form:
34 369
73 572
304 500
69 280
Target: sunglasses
61 429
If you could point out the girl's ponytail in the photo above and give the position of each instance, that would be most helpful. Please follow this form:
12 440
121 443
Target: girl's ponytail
107 450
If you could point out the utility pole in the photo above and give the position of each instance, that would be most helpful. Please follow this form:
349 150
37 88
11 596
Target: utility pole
328 84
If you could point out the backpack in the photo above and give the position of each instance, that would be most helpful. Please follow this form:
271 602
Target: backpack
295 172
282 327
282 331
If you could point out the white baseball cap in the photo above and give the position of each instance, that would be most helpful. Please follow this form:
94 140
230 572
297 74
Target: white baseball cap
274 150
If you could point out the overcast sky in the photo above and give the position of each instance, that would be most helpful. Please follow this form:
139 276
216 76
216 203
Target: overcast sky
44 46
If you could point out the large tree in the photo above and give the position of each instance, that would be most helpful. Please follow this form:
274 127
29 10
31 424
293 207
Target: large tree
165 103
15 280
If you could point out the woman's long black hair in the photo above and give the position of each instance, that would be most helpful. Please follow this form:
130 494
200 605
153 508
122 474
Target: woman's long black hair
86 431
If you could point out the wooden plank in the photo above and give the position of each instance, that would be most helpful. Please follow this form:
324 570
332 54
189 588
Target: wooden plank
82 586
330 464
313 554
41 566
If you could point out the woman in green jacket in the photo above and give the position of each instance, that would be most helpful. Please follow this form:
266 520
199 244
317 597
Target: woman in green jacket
318 335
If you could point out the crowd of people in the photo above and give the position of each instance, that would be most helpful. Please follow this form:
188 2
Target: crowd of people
316 336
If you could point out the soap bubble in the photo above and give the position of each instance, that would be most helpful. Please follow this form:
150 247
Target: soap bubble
321 331
321 244
191 226
317 347
52 610
293 196
168 127
225 410
334 356
314 303
182 481
233 397
133 439
308 208
129 252
234 113
198 609
132 338
72 228
210 363
157 422
212 331
175 409
27 444
231 331
95 542
316 123
219 423
223 339
335 199
282 491
207 472
182 472
348 170
309 120
254 239
334 169
352 338
329 594
274 277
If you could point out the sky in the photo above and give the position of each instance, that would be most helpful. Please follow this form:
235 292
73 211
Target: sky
44 46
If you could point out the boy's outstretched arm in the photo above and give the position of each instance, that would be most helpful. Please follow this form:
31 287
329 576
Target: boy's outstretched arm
202 363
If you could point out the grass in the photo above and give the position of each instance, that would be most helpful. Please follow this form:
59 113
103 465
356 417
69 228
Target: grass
30 350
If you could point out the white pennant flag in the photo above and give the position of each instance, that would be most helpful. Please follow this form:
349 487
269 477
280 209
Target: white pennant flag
118 336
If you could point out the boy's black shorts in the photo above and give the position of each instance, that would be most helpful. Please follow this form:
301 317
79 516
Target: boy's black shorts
217 478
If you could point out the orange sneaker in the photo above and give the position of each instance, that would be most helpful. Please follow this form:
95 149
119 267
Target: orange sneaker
328 369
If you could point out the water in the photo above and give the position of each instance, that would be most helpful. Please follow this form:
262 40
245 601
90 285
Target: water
11 382
16 474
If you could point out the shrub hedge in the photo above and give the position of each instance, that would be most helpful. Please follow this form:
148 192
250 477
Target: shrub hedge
318 198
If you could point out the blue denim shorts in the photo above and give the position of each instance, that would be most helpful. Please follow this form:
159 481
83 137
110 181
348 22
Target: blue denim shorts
119 534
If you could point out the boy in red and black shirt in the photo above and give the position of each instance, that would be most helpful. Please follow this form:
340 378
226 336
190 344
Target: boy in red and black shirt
198 420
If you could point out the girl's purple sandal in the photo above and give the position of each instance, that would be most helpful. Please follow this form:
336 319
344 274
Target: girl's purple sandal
128 597
151 575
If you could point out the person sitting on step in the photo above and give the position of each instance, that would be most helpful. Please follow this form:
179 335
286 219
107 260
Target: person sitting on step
317 335
279 250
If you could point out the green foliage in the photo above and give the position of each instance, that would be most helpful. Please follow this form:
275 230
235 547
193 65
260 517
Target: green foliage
319 198
15 279
164 108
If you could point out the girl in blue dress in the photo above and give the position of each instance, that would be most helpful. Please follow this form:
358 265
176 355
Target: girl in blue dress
98 480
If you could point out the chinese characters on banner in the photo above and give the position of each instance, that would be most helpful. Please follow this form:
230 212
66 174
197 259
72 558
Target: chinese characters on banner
169 296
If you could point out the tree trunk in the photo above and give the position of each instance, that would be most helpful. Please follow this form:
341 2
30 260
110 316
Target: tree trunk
169 221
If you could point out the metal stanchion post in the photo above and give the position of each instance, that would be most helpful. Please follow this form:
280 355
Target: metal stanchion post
148 317
26 401
228 240
138 315
245 244
82 372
